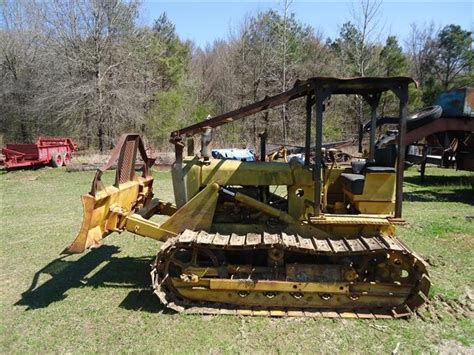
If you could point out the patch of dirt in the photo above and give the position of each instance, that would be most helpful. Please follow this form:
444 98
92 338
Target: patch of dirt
453 347
440 307
163 158
93 161
90 158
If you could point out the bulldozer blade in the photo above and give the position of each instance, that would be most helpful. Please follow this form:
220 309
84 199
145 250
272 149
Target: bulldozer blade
87 236
103 207
102 212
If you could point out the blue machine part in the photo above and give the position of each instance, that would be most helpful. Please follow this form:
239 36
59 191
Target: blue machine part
457 102
298 158
233 154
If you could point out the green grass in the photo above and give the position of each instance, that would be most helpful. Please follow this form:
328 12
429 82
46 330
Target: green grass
101 300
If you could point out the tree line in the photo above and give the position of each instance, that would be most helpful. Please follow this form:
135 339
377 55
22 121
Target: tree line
89 69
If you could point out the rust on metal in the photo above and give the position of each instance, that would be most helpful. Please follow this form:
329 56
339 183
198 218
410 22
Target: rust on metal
362 86
331 289
440 125
231 246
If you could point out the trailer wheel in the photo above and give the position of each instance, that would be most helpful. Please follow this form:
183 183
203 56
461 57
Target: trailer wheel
66 159
424 116
57 160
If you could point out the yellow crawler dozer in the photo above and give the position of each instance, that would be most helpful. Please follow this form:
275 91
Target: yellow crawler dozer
232 246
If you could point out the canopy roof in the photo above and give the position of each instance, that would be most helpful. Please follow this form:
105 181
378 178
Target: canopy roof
332 86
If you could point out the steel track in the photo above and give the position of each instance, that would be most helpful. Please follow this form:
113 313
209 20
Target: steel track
363 245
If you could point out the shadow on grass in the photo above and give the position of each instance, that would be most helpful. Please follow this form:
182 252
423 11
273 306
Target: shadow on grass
3 170
144 300
459 195
448 189
440 180
124 272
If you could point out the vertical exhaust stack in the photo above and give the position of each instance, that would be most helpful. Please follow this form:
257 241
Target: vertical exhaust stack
206 139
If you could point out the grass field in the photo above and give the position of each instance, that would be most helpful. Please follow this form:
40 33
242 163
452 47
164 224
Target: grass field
101 301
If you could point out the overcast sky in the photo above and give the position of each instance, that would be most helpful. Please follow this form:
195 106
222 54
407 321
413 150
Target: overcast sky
205 21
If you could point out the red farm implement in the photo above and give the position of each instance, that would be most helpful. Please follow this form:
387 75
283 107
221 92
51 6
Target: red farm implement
56 151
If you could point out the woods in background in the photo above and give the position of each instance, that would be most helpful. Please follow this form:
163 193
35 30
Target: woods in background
88 69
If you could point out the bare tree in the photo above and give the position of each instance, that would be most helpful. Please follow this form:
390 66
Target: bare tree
358 48
86 67
91 79
366 16
284 54
422 50
19 59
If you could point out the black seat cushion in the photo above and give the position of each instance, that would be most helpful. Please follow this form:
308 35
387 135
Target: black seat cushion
358 166
353 182
379 169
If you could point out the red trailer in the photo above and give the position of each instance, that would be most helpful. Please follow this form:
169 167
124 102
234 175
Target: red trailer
56 151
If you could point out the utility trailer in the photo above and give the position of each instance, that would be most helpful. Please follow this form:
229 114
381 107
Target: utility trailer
56 151
447 127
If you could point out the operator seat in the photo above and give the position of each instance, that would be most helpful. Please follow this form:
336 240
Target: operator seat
370 187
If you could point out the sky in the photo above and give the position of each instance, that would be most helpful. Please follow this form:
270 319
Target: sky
206 21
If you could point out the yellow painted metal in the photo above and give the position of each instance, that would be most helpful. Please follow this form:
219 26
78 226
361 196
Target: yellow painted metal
300 194
209 271
378 195
326 225
156 206
265 208
197 214
291 271
378 187
353 230
350 220
300 201
136 224
186 179
295 177
102 212
113 210
334 288
271 299
375 206
233 172
265 285
333 185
